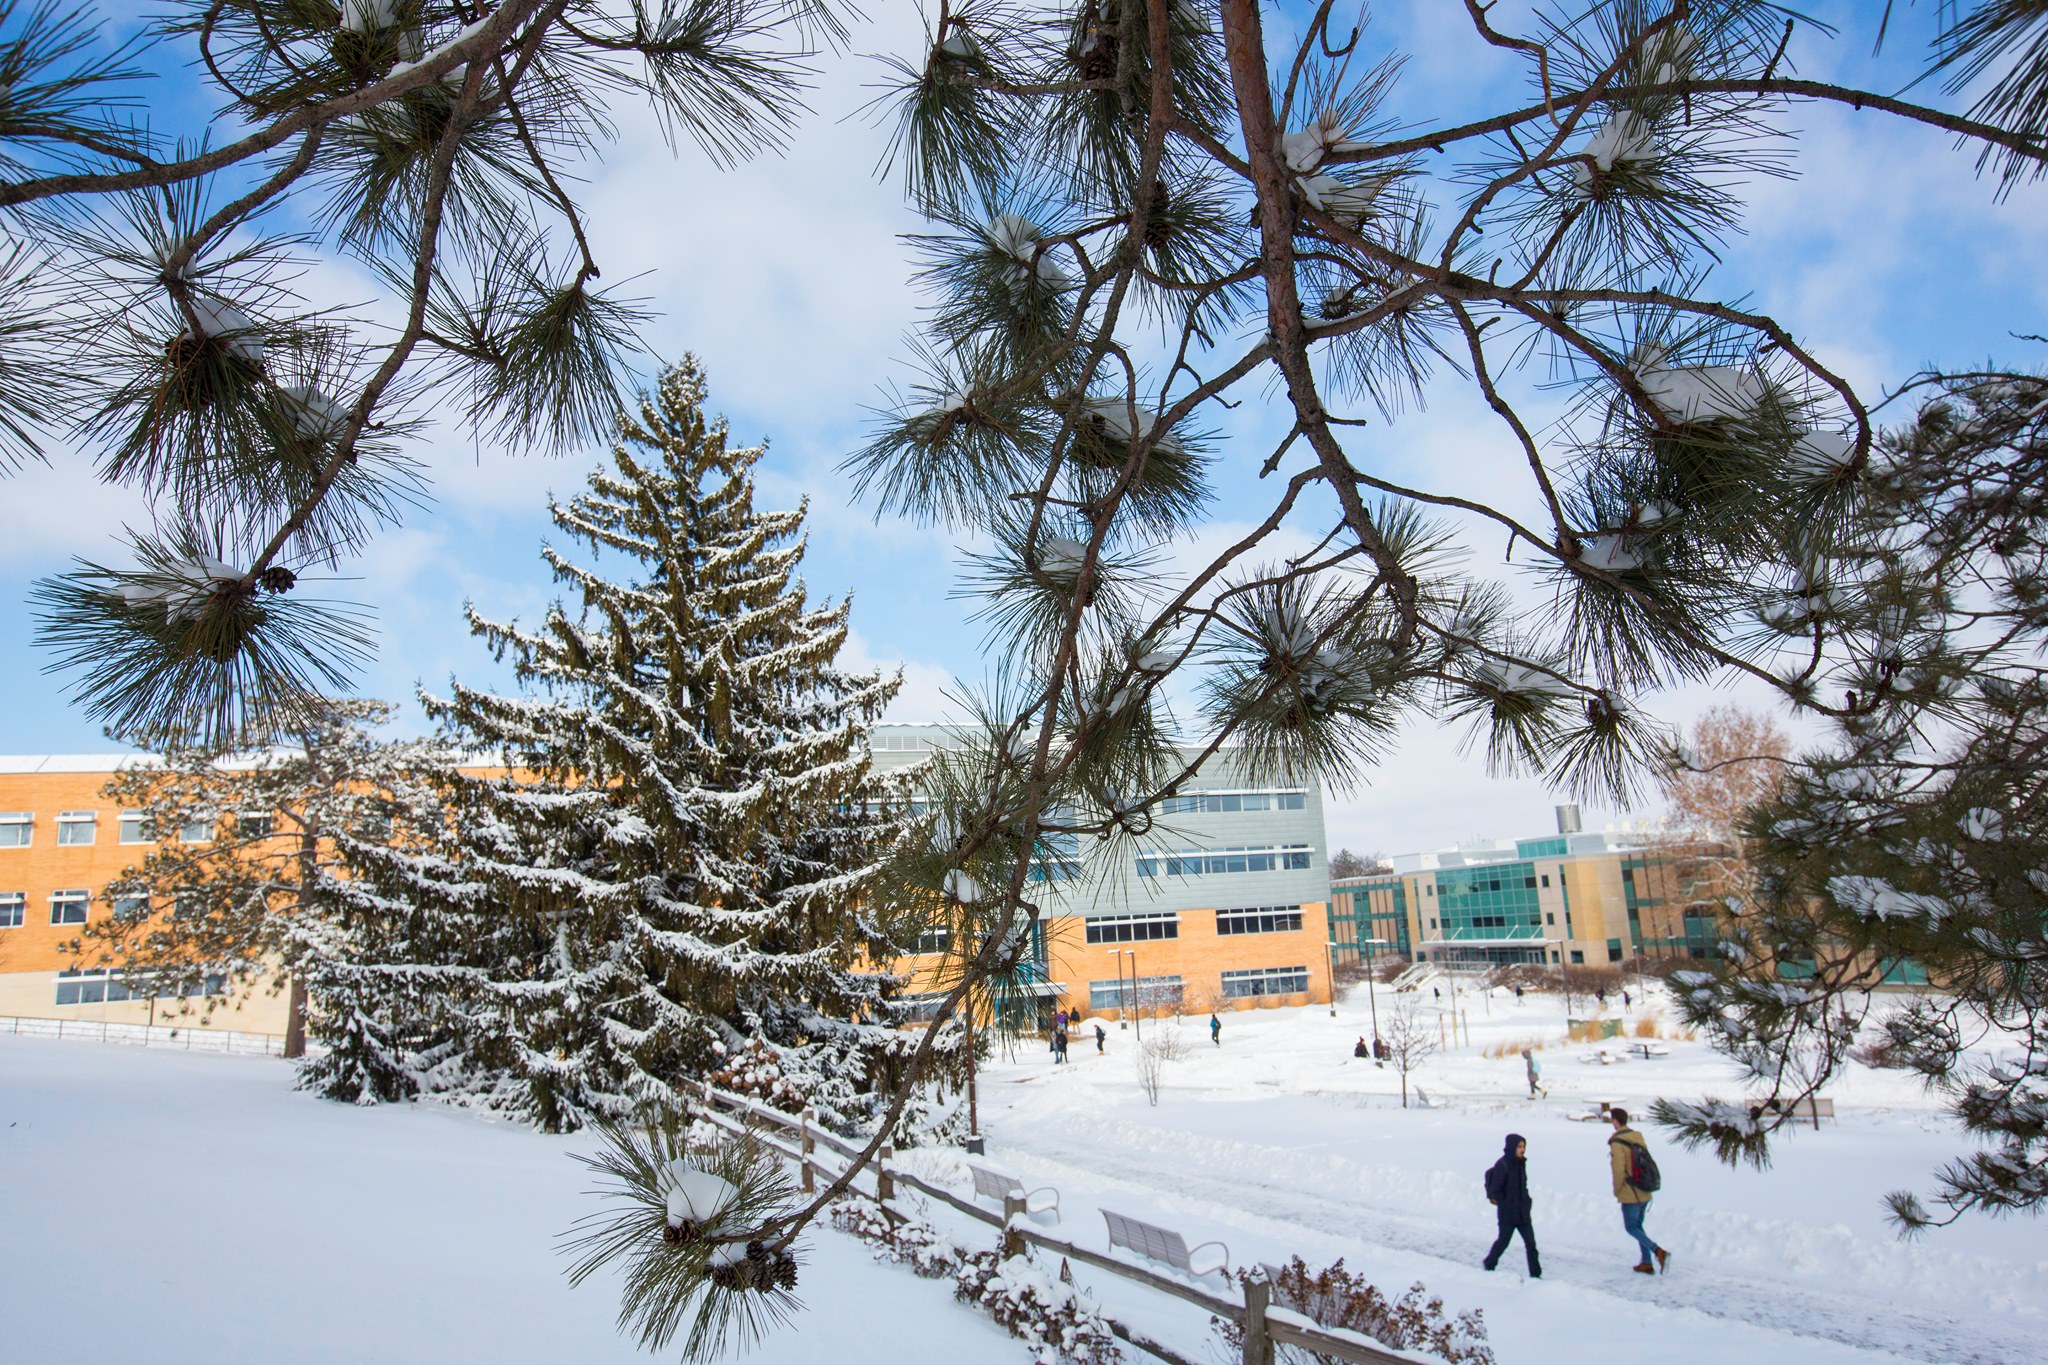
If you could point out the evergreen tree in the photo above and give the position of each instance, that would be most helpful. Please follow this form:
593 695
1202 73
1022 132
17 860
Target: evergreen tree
676 853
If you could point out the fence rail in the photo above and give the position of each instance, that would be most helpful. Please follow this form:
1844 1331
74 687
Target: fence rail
147 1035
1265 1324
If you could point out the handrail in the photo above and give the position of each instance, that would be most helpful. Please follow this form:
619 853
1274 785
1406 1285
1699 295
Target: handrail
1278 1325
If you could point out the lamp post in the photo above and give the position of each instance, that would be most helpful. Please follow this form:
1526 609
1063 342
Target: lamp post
1137 993
1122 1002
1330 956
1370 998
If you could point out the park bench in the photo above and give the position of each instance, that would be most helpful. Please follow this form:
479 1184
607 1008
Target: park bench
1815 1107
1164 1244
1003 1187
1648 1051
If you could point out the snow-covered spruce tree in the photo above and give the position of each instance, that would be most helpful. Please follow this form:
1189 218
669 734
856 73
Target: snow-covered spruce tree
159 313
1143 209
674 851
241 887
1916 841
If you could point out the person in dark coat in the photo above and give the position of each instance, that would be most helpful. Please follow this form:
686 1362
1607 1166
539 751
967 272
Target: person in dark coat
1507 1189
1099 1037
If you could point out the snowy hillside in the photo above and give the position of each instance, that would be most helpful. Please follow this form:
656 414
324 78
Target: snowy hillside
200 1204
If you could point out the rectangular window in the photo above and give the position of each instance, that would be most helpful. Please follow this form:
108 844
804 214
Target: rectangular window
931 941
1231 803
17 827
255 825
135 827
187 905
1614 950
13 906
68 907
1147 992
1578 958
1131 928
77 828
195 831
1546 879
916 1009
1265 981
1550 918
1209 862
94 987
1260 919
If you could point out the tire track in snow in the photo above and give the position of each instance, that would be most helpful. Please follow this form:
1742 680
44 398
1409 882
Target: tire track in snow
1796 1310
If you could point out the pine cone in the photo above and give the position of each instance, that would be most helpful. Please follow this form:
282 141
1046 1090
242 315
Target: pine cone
785 1270
757 1254
682 1234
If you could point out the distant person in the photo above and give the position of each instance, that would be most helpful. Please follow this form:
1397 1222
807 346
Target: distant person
1601 996
1380 1051
1100 1037
1625 1001
1518 991
1059 1045
1636 1179
1535 1070
1361 1050
1507 1189
1215 1030
1436 992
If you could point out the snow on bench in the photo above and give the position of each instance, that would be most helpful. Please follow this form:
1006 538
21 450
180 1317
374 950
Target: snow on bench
1815 1107
1164 1244
1001 1186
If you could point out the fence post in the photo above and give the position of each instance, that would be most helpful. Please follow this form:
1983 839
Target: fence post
1258 1348
1013 1240
885 1184
809 1145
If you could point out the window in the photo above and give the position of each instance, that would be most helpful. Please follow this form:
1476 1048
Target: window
255 825
78 827
99 985
13 905
1208 862
916 1009
1546 879
1265 981
17 827
931 941
1429 888
1147 992
131 907
1529 882
1614 950
195 831
94 987
68 907
1131 928
188 905
135 827
1550 917
1230 803
1260 919
1578 958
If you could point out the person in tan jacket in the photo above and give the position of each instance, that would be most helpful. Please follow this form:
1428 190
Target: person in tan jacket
1634 1201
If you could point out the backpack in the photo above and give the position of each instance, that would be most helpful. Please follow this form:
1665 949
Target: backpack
1642 1168
1496 1182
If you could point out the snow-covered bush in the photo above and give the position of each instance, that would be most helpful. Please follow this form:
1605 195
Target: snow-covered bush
1062 1325
1334 1297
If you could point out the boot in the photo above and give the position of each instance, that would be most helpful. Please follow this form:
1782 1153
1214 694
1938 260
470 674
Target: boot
1663 1260
1646 1269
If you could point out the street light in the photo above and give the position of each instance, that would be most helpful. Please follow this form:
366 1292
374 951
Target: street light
1122 1021
1330 956
1137 993
1371 999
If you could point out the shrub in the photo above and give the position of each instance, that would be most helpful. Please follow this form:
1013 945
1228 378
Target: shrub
1063 1326
1337 1298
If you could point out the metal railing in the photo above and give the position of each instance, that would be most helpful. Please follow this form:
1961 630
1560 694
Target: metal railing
1265 1323
147 1035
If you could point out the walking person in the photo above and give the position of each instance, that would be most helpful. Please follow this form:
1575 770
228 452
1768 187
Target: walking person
1518 992
1215 1030
1507 1189
1636 1179
1535 1070
1100 1037
1059 1045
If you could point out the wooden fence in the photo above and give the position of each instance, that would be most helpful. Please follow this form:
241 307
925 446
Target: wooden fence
1265 1324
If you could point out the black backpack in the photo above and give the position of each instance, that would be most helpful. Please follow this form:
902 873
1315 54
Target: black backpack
1642 1168
1496 1181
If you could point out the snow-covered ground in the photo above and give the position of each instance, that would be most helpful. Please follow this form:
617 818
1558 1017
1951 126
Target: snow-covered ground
199 1204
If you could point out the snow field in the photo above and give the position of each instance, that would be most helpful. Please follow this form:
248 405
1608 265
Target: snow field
196 1208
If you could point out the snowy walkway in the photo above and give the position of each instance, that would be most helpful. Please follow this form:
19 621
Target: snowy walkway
1282 1143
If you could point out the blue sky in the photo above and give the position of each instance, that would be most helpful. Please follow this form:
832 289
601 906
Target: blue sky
788 278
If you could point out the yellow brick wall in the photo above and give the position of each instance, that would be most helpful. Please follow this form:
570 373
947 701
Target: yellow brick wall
30 957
